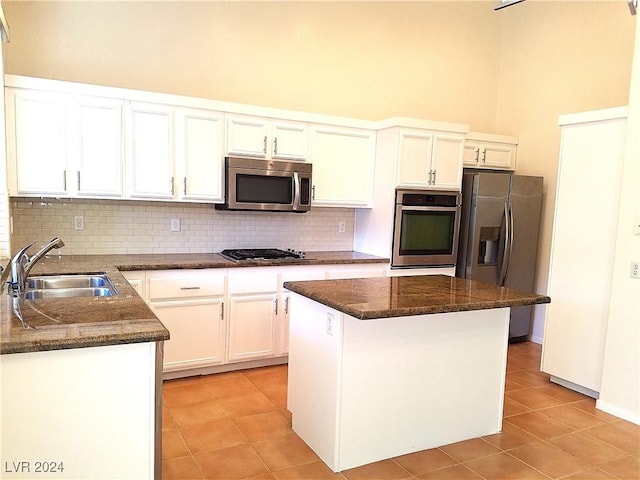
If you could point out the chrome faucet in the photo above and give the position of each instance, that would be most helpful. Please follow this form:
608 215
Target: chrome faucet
20 265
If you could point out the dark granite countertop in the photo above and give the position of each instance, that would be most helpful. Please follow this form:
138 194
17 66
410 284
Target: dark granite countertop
382 297
63 323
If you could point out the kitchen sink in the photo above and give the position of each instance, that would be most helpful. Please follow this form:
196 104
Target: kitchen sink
72 285
33 294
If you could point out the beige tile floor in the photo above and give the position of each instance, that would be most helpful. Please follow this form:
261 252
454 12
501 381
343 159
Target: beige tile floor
236 425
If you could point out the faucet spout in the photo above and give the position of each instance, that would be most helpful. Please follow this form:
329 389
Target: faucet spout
21 264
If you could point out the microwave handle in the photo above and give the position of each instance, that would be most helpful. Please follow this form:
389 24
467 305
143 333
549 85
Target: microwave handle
296 191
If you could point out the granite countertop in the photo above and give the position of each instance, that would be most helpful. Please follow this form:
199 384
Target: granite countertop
382 297
63 323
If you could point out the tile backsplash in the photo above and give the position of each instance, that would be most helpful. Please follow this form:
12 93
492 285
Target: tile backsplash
139 227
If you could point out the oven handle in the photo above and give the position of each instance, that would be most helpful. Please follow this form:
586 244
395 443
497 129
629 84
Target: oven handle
296 191
429 209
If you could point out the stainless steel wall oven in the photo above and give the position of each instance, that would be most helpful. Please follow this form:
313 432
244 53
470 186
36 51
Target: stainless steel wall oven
426 228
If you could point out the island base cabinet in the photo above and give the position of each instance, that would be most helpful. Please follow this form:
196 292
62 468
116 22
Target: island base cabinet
82 413
392 386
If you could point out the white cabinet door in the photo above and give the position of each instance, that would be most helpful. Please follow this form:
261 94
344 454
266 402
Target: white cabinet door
264 138
252 322
414 162
199 156
446 162
36 142
289 141
247 136
499 156
98 147
428 160
343 166
196 332
486 150
150 151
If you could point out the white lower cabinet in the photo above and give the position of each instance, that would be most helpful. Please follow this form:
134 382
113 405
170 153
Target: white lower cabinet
218 318
196 332
190 303
253 305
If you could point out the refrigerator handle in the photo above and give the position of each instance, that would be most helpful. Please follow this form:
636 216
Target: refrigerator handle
508 242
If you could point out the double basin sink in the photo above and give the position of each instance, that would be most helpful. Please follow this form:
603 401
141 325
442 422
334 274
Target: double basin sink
71 285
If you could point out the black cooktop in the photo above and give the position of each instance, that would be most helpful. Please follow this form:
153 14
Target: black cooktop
259 254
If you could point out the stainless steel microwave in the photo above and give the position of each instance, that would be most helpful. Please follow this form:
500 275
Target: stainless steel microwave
267 185
426 228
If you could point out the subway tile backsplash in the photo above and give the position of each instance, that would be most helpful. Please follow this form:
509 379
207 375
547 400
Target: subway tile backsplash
139 227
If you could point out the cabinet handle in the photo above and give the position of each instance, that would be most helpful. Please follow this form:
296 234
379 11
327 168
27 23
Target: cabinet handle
286 306
275 146
264 145
484 155
276 306
189 288
222 311
172 185
78 180
64 180
433 182
477 150
184 186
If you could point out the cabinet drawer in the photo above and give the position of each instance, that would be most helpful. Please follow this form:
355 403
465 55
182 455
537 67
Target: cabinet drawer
190 284
253 280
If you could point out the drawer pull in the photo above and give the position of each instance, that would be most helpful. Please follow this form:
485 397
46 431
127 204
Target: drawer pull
189 288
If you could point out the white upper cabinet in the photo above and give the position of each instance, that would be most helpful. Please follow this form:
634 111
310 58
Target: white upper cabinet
429 160
60 144
483 150
150 152
265 138
199 154
343 166
174 153
99 146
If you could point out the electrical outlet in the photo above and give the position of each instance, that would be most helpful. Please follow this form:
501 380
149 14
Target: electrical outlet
635 270
175 224
342 227
330 324
78 222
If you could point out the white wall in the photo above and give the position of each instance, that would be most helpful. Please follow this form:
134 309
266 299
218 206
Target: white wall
558 58
620 389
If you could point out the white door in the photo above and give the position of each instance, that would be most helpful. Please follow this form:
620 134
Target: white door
98 155
251 326
196 332
343 162
247 136
36 143
290 141
446 162
200 161
151 151
499 156
414 159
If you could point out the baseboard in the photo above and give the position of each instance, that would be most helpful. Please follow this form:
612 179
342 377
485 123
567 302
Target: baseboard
618 412
535 339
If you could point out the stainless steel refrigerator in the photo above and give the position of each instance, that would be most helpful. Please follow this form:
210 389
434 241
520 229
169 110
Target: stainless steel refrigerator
499 235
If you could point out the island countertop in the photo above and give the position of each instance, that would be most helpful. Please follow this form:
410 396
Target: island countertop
63 323
382 297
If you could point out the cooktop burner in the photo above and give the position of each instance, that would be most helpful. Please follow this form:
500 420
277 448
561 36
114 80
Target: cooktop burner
260 254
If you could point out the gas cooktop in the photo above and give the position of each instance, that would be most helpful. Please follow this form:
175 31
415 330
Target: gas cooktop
238 254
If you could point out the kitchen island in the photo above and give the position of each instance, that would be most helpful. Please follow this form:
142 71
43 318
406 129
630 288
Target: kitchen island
381 367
